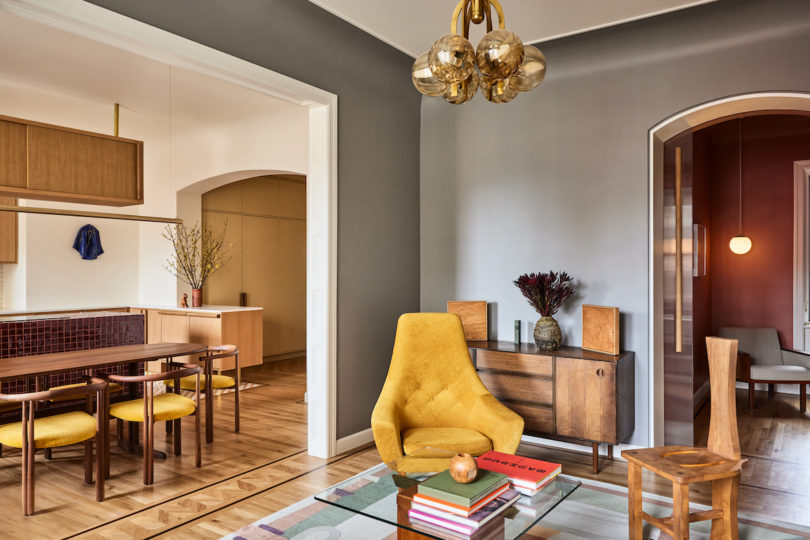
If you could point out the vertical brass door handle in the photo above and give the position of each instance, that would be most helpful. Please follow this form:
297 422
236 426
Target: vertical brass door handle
678 252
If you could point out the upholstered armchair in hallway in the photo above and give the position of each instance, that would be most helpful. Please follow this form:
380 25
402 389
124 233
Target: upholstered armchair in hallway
433 398
763 360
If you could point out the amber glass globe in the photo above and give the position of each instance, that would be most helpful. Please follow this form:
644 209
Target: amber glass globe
462 92
423 78
497 91
452 59
499 54
740 244
532 71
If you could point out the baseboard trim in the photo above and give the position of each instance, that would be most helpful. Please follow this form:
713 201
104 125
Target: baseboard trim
581 448
355 440
284 356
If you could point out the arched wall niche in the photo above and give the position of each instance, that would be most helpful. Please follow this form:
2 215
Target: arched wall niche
701 115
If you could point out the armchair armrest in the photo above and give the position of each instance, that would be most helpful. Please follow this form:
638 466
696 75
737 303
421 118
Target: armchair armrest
503 426
793 357
386 429
743 366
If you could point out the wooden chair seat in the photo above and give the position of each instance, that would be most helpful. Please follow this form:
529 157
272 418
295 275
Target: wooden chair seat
685 464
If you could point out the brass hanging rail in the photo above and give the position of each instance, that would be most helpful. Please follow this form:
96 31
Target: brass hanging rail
82 213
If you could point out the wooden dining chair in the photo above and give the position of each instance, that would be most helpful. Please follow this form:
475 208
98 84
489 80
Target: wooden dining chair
153 408
218 382
720 463
58 430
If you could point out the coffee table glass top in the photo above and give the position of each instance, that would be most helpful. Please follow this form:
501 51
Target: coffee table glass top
374 494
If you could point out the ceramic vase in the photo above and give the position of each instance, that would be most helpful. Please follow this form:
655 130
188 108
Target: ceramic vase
547 334
463 468
196 297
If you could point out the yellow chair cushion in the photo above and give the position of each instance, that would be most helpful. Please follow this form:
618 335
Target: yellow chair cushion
167 407
190 382
112 388
455 439
52 431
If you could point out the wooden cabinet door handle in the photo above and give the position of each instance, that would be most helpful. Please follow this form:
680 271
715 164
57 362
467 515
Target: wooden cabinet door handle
600 372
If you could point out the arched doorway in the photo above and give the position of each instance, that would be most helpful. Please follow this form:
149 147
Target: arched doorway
684 121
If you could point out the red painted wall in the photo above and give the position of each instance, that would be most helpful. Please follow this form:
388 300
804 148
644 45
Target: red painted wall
755 289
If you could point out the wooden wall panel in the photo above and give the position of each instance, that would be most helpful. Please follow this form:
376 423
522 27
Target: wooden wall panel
8 233
223 288
12 154
267 238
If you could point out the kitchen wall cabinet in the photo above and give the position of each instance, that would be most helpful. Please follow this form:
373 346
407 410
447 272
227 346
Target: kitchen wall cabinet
43 161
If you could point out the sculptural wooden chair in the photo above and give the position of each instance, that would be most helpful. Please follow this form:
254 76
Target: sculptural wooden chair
153 408
59 430
218 382
719 463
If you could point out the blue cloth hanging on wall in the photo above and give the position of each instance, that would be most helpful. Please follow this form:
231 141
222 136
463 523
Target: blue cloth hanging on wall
88 243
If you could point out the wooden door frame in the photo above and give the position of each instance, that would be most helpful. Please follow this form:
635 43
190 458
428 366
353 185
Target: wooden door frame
98 24
680 122
801 193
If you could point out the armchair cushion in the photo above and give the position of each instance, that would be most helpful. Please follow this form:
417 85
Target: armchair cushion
780 373
455 439
761 343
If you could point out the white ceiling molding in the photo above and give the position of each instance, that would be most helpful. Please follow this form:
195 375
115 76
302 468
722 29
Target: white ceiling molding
413 26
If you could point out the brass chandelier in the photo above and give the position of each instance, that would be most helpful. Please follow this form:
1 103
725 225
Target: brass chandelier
505 65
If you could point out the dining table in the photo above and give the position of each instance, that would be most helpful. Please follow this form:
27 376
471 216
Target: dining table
23 367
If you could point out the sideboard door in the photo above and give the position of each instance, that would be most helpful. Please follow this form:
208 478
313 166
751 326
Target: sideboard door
585 399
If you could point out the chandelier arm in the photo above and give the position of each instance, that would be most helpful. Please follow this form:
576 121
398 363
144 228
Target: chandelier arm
467 20
456 12
501 16
478 11
488 15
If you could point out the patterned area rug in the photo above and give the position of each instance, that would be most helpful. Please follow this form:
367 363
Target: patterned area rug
595 510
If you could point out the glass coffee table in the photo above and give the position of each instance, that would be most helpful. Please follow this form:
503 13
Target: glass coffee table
384 494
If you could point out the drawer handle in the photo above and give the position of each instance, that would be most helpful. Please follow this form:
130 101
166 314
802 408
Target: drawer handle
600 372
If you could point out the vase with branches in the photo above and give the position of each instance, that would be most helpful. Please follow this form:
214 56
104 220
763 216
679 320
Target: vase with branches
546 293
199 252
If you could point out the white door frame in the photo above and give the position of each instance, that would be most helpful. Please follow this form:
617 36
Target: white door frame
658 134
801 296
99 24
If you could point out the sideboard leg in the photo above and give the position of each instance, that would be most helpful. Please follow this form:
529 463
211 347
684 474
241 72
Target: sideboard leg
610 452
595 458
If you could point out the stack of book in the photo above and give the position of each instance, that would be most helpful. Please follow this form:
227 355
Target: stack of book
445 505
528 476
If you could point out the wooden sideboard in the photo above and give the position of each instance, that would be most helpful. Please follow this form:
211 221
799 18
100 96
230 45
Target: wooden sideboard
568 394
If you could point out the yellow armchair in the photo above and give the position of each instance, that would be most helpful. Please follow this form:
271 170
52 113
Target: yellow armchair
432 397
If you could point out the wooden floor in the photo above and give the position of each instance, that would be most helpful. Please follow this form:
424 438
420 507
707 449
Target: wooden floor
265 468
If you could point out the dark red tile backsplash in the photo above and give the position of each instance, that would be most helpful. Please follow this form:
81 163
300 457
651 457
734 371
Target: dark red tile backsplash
63 333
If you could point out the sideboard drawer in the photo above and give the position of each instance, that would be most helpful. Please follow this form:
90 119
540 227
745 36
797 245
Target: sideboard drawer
516 387
537 419
531 364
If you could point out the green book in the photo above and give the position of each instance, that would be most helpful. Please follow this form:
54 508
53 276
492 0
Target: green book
443 487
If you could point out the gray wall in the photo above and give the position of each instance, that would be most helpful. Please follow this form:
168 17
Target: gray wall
557 179
378 161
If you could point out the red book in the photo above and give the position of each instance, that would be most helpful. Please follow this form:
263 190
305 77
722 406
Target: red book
522 471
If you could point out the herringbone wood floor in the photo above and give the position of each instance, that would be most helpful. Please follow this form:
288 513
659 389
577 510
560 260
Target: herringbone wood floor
264 469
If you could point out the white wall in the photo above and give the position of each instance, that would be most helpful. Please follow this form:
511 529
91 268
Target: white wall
194 127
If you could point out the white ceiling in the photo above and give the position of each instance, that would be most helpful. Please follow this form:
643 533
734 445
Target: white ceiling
413 25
